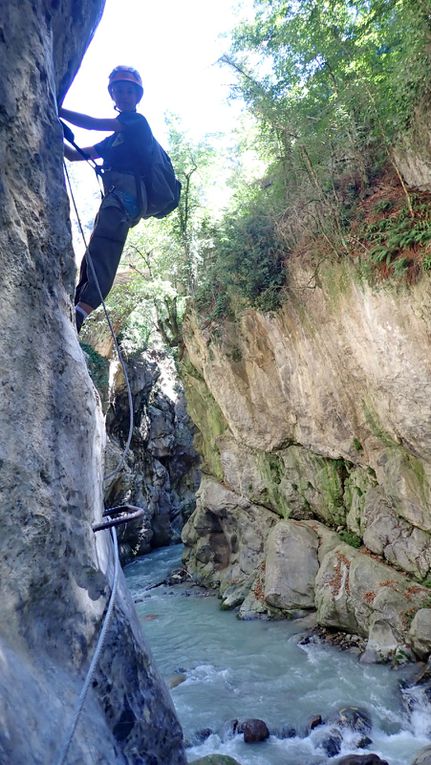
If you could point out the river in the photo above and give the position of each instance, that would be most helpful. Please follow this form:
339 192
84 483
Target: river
237 670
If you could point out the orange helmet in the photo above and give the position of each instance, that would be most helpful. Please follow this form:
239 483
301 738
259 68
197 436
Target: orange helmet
125 74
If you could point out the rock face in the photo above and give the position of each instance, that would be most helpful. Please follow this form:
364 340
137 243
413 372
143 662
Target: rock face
161 473
318 419
55 573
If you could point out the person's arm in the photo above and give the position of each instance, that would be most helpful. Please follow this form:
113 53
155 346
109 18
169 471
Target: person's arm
90 123
73 155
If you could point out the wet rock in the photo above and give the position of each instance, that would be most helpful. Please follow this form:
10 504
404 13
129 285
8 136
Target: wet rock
331 743
229 729
364 742
201 735
174 680
314 722
177 576
285 731
341 640
253 730
423 757
424 673
355 718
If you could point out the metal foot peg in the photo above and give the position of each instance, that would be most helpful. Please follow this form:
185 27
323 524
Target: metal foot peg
116 516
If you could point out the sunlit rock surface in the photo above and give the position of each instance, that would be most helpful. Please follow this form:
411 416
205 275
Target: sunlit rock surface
55 573
325 413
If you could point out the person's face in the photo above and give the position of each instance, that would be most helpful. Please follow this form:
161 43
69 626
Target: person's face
125 95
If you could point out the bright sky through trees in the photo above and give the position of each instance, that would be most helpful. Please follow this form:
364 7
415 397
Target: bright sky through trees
175 45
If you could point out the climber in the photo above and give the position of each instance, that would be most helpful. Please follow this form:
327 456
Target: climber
126 158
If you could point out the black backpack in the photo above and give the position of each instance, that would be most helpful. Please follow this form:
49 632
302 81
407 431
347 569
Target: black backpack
163 188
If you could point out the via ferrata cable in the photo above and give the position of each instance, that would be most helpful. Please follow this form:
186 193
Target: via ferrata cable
108 615
100 642
111 329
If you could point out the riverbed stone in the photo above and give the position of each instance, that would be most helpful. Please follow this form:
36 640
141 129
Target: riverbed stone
291 565
355 718
331 742
253 730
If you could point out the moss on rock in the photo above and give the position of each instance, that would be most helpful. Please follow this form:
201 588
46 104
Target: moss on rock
98 368
208 418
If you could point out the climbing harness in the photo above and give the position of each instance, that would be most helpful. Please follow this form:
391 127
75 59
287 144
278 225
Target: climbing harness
70 138
114 516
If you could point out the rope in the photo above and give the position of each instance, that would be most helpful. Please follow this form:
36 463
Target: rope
117 348
89 676
82 696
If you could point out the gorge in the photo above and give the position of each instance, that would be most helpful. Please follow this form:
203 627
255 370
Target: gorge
312 442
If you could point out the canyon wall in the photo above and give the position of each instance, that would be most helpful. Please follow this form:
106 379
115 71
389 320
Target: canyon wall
315 429
56 574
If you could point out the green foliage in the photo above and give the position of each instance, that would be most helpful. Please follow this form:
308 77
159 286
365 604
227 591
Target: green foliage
350 538
98 368
332 85
242 266
387 238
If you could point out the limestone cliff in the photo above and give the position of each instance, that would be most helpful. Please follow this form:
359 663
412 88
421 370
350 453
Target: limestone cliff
319 413
55 572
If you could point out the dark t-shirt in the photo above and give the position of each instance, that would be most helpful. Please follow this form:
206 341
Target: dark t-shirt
128 151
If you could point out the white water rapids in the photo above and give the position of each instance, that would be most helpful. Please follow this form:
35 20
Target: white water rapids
238 670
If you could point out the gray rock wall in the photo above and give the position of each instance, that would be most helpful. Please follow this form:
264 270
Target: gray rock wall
161 473
55 574
323 414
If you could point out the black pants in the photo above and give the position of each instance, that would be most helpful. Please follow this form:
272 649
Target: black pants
105 248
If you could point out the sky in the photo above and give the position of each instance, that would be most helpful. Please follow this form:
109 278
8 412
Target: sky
175 45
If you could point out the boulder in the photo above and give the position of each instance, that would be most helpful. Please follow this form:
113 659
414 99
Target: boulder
253 730
354 718
360 595
314 722
291 565
224 538
331 742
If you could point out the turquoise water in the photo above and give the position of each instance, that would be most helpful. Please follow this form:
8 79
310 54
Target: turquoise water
236 670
